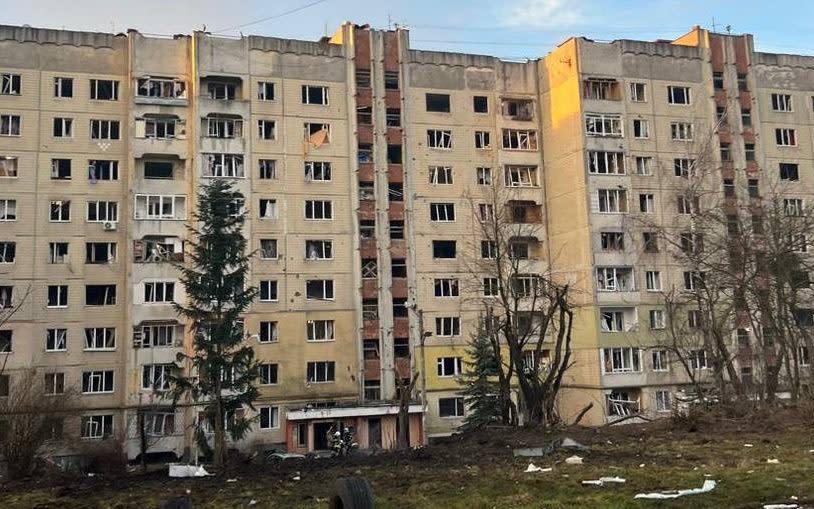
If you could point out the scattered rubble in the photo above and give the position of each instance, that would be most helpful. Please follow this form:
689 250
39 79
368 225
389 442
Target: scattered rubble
555 445
534 468
573 460
602 481
708 486
187 471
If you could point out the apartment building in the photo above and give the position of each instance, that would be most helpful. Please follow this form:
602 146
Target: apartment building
364 165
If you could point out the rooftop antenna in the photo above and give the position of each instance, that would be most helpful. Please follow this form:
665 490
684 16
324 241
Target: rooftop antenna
729 29
714 26
389 21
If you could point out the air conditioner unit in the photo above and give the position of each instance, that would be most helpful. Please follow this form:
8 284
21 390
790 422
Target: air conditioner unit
110 226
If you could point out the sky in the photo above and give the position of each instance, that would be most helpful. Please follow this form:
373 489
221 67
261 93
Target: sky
510 29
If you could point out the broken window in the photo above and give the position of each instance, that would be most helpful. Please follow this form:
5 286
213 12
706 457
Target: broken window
8 166
104 129
60 211
399 307
725 151
449 366
743 85
484 176
718 80
268 208
6 297
364 115
486 212
612 201
650 242
684 168
54 383
94 382
622 360
491 287
221 91
319 250
318 209
370 309
442 212
8 210
100 252
369 268
746 118
10 125
8 252
266 129
364 153
793 207
391 80
520 176
698 359
161 88
57 252
60 169
100 338
451 408
160 207
614 279
268 249
367 228
156 335
320 330
10 84
398 268
318 171
367 191
268 374
224 127
688 204
448 326
518 109
97 426
606 163
268 168
641 129
678 95
601 89
57 296
441 175
104 90
321 371
443 249
480 104
488 249
395 192
363 78
647 203
597 124
789 171
644 166
157 170
157 292
63 127
394 154
316 133
312 94
159 127
681 131
223 165
396 229
785 137
268 290
319 289
265 91
638 92
439 139
156 377
446 287
370 348
749 151
6 337
100 295
102 211
652 280
612 241
63 87
268 332
517 139
393 117
753 187
103 170
438 103
482 140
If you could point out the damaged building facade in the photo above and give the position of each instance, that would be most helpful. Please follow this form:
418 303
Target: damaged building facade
360 160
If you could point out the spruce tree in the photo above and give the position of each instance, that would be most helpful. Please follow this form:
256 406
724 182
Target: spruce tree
223 368
481 392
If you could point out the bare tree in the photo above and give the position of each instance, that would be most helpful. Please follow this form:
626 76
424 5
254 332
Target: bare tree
404 391
529 314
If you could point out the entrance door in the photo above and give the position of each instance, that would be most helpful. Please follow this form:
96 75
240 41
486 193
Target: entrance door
374 432
321 430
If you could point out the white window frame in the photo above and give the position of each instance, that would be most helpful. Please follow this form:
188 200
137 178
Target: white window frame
441 175
94 90
441 367
446 287
660 360
681 131
657 319
652 280
272 417
156 377
672 95
306 95
270 330
483 140
60 304
266 286
319 249
11 84
57 338
448 326
97 427
615 201
782 103
520 140
222 165
159 292
105 211
644 166
442 212
63 209
104 129
622 360
318 171
520 176
635 95
328 290
59 86
266 129
65 127
664 401
601 162
785 137
323 212
267 209
320 331
604 125
439 139
618 322
644 129
100 339
320 368
10 122
266 91
97 380
483 175
266 370
161 202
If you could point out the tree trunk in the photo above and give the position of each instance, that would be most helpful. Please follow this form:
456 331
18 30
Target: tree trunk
142 438
219 449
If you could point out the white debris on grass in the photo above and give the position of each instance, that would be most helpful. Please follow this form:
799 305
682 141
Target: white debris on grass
534 468
573 460
780 506
708 486
603 481
748 445
773 461
187 471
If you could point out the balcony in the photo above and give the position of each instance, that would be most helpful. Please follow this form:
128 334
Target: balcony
370 288
367 172
158 249
367 209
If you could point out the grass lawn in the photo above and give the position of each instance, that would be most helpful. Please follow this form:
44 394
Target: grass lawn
479 471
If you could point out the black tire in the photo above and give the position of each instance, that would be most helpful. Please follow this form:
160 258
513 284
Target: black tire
352 493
